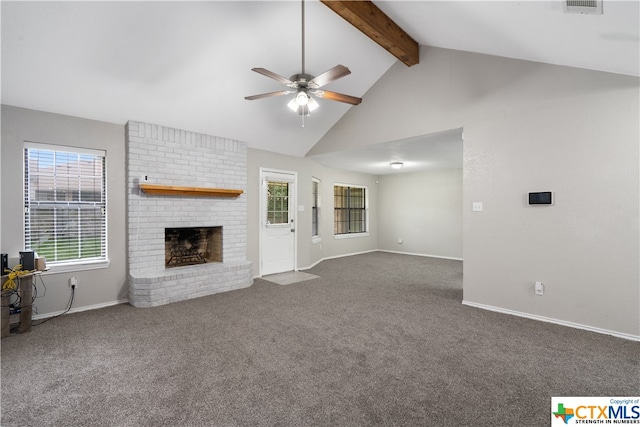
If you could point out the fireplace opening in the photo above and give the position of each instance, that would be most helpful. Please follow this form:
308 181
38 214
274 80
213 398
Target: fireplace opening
192 245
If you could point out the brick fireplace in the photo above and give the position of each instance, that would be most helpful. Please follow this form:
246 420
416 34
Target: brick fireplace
167 156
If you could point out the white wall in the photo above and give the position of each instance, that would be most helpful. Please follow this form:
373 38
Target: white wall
424 209
95 287
528 127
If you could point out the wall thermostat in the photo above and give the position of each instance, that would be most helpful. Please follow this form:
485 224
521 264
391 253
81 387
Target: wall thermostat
541 198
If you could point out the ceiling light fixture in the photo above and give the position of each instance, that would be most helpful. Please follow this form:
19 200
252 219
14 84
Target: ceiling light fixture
396 165
302 103
302 98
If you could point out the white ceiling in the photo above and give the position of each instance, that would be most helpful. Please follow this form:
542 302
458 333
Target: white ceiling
187 64
441 150
532 30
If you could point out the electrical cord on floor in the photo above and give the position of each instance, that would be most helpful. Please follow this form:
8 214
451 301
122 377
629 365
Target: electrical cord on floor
73 293
11 293
35 293
16 303
35 289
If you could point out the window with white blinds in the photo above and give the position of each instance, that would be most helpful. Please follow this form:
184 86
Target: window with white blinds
65 204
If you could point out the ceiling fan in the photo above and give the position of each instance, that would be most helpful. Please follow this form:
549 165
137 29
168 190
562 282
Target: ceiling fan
304 85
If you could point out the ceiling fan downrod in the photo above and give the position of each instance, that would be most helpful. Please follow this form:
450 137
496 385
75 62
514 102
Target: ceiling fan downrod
303 72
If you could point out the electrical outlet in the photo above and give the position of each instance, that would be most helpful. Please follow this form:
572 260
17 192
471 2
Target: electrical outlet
539 288
73 282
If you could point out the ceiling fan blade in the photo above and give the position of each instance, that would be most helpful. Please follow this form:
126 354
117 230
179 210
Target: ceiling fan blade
328 76
335 96
268 95
273 75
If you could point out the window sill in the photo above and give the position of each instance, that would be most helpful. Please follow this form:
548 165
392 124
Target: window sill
316 240
350 235
80 266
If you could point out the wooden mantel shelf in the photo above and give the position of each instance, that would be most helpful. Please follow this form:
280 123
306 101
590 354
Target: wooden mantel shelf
173 190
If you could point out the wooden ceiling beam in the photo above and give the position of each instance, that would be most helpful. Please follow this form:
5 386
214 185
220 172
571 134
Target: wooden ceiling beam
375 24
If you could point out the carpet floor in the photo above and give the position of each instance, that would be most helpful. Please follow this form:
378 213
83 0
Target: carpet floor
376 339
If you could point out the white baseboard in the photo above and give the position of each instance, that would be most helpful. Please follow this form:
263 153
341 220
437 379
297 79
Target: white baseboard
79 309
551 320
324 259
366 252
425 255
337 256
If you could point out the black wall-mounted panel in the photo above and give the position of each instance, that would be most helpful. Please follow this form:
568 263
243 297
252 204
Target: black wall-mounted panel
540 198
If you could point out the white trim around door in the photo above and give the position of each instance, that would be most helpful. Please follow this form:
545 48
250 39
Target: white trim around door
278 221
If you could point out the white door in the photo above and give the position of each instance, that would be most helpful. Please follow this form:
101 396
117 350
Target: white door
277 225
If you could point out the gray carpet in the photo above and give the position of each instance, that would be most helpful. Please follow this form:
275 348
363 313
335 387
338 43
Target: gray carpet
377 339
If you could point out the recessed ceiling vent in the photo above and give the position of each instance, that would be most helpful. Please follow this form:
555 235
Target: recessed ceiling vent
590 7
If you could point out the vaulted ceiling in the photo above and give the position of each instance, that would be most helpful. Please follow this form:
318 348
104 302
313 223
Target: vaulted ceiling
188 64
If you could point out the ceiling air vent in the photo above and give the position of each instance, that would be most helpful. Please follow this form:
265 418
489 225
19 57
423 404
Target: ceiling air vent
591 7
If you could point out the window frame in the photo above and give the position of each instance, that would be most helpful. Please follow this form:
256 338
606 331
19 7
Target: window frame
365 209
76 264
278 200
315 209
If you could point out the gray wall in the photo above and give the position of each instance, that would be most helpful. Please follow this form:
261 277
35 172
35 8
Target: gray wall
424 209
528 127
308 253
106 286
95 287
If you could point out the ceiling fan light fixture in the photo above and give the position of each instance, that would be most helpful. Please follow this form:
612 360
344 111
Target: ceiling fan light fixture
302 98
293 105
396 165
312 104
302 103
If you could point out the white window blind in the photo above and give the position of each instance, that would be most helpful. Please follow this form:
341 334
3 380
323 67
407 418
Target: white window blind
315 206
65 203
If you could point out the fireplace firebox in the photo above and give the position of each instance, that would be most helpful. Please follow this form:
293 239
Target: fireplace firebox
192 245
